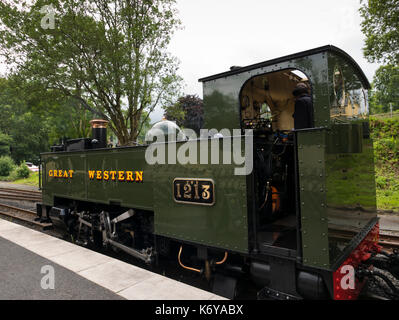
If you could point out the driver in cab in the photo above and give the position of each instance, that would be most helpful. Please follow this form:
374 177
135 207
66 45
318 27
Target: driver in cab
303 114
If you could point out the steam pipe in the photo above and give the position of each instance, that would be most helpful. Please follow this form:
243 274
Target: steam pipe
182 265
223 260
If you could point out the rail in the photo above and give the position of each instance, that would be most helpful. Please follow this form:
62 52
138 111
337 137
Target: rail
18 194
21 215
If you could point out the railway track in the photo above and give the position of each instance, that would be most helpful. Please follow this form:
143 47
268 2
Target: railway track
389 241
22 215
18 194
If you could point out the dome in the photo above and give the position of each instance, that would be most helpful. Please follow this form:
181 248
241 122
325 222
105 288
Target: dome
168 129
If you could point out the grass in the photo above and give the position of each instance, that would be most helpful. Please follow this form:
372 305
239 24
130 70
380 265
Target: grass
388 200
385 116
387 183
33 180
385 133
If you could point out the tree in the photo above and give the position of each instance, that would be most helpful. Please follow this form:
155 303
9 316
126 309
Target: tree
5 144
187 112
381 27
144 128
108 56
31 121
176 113
27 129
385 89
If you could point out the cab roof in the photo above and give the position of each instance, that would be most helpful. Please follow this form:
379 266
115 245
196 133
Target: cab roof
328 48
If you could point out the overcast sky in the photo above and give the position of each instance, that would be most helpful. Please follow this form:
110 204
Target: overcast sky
221 33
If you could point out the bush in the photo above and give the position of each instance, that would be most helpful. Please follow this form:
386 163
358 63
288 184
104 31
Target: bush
386 150
6 166
23 171
381 182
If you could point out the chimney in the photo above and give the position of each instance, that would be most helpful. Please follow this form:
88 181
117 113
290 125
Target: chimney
99 133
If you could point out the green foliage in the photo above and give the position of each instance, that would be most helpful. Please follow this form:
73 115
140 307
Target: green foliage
385 134
32 180
5 144
387 183
385 89
109 57
187 112
381 182
68 120
6 166
386 150
384 128
380 25
31 122
22 171
175 113
145 126
27 129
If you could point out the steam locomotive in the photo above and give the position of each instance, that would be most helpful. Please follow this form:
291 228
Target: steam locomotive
301 224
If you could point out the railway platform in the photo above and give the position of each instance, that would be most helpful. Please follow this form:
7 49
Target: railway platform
36 266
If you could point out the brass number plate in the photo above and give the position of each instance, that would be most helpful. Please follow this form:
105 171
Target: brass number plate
194 191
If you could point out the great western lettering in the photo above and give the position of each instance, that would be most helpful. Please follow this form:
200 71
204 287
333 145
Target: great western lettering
61 173
129 176
111 175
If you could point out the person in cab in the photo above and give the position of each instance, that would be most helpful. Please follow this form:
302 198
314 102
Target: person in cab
303 114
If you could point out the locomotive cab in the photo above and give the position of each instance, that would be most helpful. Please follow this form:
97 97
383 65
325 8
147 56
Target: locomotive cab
267 105
308 204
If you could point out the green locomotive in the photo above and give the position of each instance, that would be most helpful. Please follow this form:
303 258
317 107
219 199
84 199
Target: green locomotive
289 226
